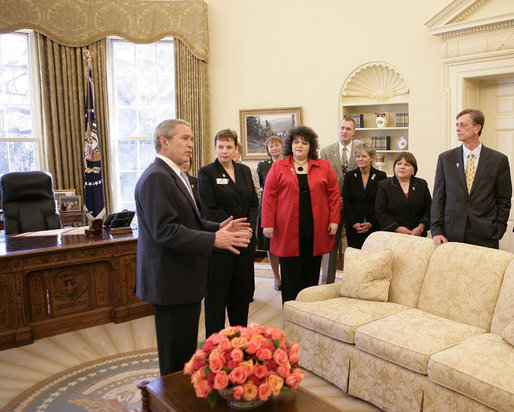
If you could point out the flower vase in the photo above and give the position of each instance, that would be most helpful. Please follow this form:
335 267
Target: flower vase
228 395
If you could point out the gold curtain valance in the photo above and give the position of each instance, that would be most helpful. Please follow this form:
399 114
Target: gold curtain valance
81 22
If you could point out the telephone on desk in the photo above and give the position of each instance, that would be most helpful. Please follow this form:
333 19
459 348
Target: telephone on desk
119 223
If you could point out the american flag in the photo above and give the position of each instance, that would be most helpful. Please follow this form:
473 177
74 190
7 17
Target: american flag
93 183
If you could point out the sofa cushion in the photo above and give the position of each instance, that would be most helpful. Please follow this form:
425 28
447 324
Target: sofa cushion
409 338
508 333
504 311
481 368
366 275
338 318
463 282
411 255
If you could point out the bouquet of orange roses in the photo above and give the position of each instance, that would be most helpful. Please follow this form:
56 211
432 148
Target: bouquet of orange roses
249 362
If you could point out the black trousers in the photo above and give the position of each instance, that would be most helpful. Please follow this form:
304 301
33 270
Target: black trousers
299 272
230 285
176 327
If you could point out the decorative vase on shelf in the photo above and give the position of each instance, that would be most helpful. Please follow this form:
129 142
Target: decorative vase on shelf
228 395
382 119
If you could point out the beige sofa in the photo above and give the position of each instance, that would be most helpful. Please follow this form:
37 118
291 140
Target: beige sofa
437 344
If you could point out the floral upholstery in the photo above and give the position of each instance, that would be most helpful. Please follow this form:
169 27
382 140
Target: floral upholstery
322 355
504 311
338 318
437 398
384 384
411 337
481 368
321 292
462 283
508 333
367 275
411 255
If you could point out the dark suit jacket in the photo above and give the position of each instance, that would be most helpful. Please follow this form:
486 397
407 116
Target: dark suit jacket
359 203
220 201
173 241
393 209
487 207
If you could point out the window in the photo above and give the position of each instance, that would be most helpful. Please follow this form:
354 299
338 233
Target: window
142 94
19 141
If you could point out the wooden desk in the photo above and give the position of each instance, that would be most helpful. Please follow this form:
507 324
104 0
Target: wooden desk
58 280
175 393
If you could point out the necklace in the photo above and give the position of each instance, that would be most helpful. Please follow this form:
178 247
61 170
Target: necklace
300 165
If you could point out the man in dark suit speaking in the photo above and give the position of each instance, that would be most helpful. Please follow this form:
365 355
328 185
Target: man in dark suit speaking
472 189
174 244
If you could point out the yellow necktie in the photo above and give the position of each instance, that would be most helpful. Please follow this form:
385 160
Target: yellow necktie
470 172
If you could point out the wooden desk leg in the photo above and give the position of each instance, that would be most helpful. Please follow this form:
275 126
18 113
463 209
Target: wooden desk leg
144 394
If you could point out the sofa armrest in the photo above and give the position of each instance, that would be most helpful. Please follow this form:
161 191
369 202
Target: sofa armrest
321 292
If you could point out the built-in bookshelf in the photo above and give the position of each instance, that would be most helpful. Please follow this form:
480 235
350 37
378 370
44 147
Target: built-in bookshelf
372 90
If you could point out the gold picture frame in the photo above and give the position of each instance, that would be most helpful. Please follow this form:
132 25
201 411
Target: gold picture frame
259 124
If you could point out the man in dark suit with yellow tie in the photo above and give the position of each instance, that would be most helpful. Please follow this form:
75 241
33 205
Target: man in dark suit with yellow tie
472 190
174 243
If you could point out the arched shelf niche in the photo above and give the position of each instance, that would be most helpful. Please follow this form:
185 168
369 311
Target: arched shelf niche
377 87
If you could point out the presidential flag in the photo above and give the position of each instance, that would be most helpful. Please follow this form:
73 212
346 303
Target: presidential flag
93 184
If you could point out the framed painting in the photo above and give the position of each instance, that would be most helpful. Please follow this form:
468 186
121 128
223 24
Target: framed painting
259 124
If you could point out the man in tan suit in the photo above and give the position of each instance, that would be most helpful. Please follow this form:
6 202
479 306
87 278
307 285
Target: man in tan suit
341 156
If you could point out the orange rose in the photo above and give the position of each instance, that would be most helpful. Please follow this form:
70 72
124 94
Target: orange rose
280 356
202 389
216 363
260 371
275 382
253 346
264 354
220 380
239 343
250 391
293 380
247 364
230 331
237 355
284 371
264 391
238 375
238 392
188 368
197 376
294 357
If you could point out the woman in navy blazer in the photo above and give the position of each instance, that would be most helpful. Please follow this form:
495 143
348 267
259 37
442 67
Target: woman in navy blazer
359 192
403 201
226 189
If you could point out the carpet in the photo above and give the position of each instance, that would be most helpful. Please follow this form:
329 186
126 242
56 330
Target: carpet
104 385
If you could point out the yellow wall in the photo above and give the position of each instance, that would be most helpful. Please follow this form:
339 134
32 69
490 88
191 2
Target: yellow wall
281 53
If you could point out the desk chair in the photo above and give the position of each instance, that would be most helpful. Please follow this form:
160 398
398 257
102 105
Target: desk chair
28 202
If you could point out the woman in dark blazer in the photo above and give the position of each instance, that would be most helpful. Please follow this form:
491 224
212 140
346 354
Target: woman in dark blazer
403 201
274 148
226 189
359 192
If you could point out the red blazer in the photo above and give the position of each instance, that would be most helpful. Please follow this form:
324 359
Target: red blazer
281 202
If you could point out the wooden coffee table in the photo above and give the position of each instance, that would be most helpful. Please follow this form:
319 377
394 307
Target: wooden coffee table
175 392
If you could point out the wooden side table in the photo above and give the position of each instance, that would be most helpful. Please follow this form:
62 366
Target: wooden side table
175 393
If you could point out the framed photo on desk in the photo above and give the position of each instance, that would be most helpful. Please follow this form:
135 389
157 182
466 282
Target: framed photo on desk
70 204
58 193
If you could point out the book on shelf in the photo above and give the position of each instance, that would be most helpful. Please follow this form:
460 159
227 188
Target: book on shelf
402 119
381 142
358 119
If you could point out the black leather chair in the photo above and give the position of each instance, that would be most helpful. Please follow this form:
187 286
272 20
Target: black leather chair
28 202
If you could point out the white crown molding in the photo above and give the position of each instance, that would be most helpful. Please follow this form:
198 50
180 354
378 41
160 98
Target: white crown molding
475 26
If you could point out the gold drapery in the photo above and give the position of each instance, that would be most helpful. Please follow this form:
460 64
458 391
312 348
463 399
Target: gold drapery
192 103
63 93
81 22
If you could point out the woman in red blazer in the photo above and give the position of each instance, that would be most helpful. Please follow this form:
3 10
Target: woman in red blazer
300 211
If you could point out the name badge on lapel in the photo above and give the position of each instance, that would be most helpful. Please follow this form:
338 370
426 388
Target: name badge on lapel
221 181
